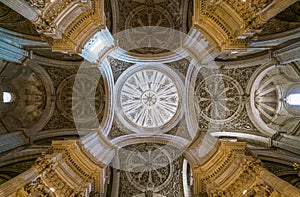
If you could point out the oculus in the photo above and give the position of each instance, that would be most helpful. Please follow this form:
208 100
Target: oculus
7 97
293 99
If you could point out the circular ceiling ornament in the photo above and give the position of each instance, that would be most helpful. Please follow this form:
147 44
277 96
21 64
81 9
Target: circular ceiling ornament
147 168
218 98
148 98
146 38
81 101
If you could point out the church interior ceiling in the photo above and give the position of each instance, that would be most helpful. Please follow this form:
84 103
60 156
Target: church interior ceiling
241 98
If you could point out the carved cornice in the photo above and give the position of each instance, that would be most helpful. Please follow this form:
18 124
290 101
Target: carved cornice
65 170
69 24
230 170
216 163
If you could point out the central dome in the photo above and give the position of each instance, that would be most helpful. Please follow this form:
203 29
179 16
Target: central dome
148 97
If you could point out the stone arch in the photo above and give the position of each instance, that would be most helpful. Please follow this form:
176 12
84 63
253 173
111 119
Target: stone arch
267 107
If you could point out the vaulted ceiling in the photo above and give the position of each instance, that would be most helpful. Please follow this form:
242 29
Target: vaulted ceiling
225 78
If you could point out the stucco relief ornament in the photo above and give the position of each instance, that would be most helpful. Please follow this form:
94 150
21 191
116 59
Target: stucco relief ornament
37 3
84 98
219 98
145 17
38 188
147 98
147 169
45 26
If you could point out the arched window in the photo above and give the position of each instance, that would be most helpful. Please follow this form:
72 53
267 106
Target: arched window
7 97
293 99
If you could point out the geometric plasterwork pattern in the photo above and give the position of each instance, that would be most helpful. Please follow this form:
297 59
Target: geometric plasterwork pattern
148 98
219 98
180 130
118 67
138 13
147 169
148 15
151 172
77 98
238 78
167 14
63 81
181 66
118 129
58 121
58 74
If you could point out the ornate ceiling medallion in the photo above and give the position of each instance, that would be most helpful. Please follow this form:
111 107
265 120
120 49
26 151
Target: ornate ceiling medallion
83 101
148 98
144 38
147 169
219 98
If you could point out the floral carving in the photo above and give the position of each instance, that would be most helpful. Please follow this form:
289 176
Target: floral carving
241 76
80 100
156 13
149 98
219 98
38 188
151 171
